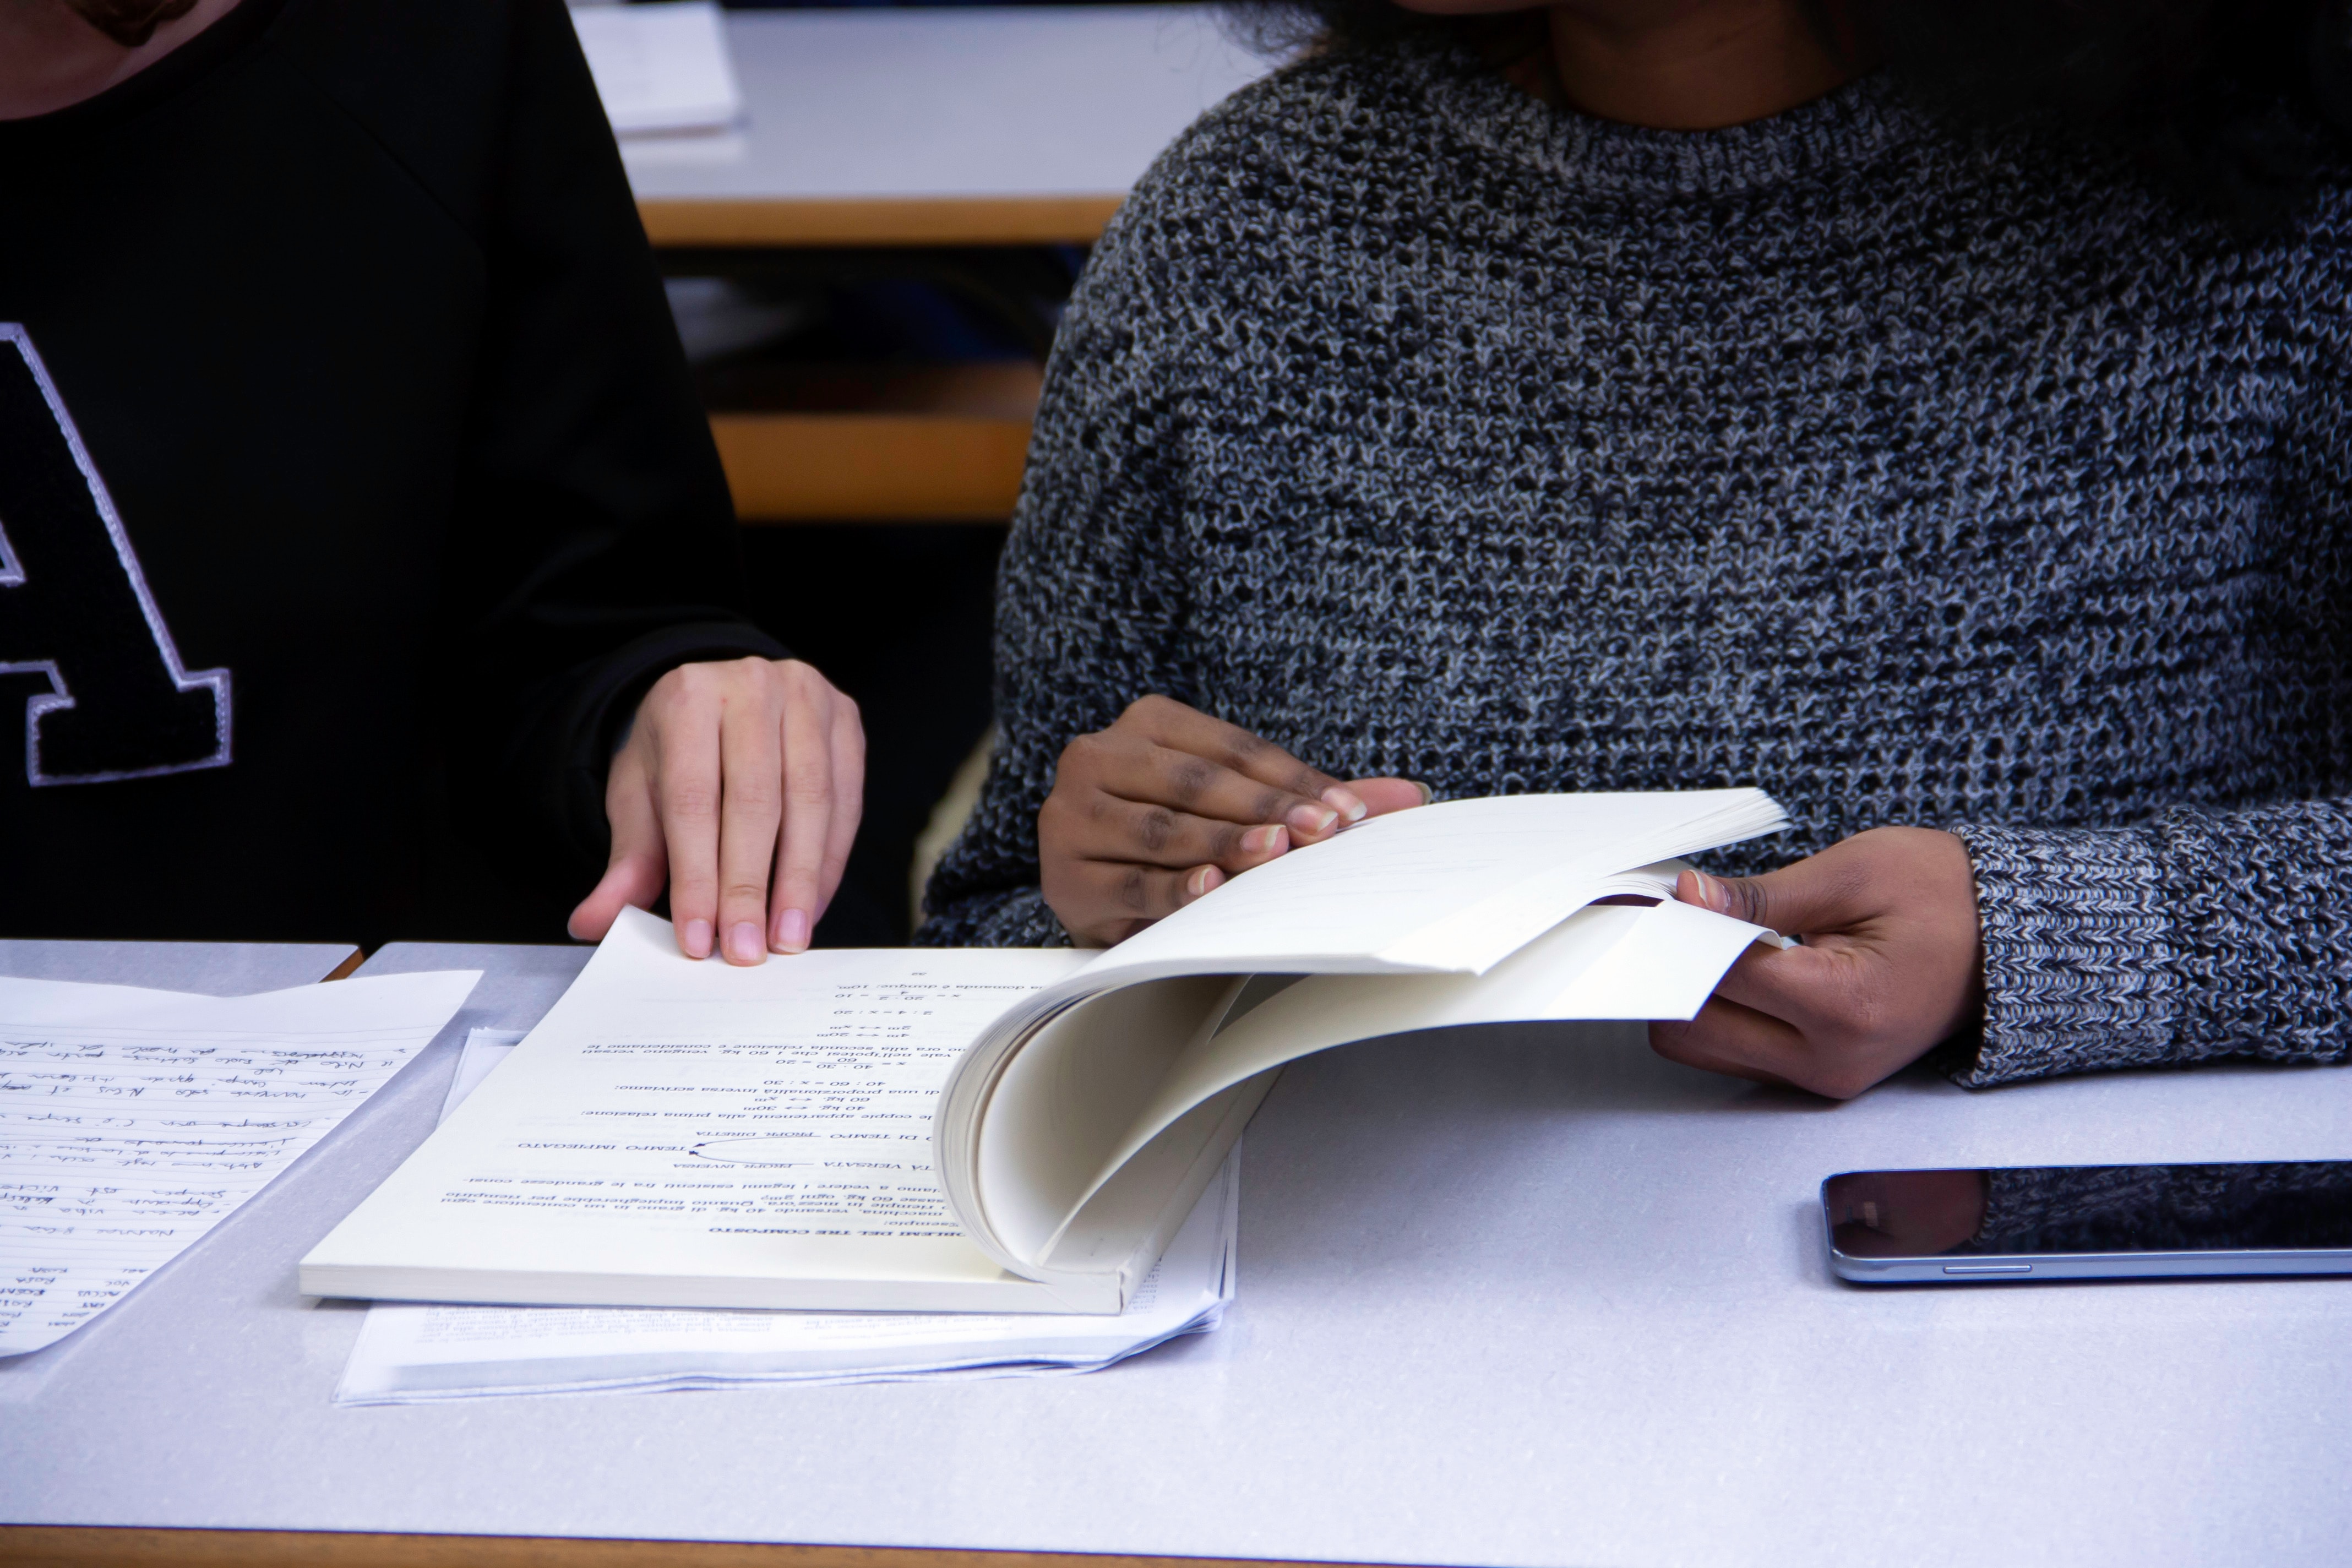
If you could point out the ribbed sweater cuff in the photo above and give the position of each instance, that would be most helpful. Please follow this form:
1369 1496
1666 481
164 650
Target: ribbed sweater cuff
2077 953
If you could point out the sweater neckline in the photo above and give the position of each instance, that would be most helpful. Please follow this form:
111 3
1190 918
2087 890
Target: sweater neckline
1844 129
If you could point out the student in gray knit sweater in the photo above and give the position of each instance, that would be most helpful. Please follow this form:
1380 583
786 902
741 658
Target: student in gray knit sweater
1656 399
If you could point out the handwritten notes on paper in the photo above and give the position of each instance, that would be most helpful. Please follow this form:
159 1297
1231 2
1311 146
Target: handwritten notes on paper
134 1122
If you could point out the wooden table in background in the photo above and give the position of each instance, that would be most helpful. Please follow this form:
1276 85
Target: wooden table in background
949 128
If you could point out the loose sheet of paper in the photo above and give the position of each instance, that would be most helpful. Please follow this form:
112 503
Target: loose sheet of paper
660 68
420 1353
484 1049
132 1121
694 1134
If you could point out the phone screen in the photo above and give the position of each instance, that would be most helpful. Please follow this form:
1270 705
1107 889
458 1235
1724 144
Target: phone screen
2060 1210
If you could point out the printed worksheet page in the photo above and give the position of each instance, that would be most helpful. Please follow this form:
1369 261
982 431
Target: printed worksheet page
678 1132
134 1122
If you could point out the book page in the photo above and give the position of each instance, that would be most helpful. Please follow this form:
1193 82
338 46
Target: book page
1613 962
678 1132
132 1121
1455 887
1026 1127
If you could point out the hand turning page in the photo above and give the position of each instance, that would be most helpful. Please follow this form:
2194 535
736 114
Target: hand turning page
1011 1130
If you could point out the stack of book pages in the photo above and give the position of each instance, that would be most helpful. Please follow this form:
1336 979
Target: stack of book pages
414 1353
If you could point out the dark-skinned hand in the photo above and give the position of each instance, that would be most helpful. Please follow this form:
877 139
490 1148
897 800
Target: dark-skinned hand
1891 964
1167 803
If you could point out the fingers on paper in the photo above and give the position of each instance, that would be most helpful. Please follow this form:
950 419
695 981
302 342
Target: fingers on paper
814 722
848 758
1126 898
638 864
1383 796
1233 754
679 719
1106 827
1821 892
751 772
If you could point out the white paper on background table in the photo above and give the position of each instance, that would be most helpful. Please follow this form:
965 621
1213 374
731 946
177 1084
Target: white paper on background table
132 1121
416 1354
660 68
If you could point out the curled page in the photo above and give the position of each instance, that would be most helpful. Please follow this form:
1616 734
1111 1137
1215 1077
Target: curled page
1457 886
1077 1126
1603 962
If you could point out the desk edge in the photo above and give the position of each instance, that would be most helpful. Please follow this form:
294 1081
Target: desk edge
116 1546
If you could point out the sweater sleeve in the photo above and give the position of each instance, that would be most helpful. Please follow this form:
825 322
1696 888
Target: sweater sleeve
1090 594
2206 932
2199 936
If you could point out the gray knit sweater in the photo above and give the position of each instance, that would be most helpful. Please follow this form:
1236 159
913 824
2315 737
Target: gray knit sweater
1914 474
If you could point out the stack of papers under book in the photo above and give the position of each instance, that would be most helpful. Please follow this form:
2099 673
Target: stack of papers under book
420 1353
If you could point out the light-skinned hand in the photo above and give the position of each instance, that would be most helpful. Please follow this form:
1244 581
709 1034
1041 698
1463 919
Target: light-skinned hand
1891 964
739 786
1167 803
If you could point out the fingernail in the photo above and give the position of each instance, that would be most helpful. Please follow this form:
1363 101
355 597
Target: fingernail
793 931
1427 793
1711 893
1345 802
697 939
1312 821
743 943
1265 840
1206 879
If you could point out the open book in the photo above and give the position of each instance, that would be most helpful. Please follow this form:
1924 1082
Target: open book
1014 1130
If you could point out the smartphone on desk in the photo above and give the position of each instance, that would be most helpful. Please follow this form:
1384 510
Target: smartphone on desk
2089 1222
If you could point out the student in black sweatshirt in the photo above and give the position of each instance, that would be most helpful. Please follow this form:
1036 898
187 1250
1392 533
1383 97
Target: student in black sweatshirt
345 440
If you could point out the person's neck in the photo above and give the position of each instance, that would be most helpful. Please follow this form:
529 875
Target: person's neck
51 60
1690 65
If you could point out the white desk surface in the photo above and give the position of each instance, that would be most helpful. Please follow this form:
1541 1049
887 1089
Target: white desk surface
213 968
1044 100
1501 1302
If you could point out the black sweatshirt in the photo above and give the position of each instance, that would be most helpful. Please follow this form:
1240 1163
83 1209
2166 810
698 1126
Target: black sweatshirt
344 440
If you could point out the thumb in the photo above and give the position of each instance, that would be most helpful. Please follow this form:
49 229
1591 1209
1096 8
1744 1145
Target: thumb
1794 899
636 874
634 879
